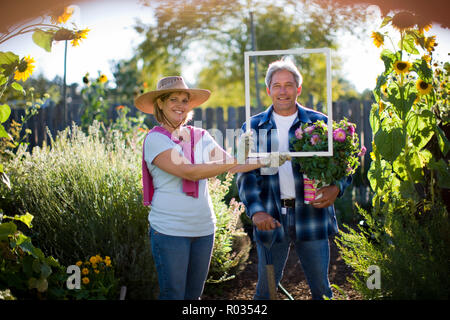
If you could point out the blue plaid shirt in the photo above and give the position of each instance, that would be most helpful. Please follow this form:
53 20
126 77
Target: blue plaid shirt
261 192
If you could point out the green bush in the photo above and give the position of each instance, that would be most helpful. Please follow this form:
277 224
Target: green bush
85 194
231 244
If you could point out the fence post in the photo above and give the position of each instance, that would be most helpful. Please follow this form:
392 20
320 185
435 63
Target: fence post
209 118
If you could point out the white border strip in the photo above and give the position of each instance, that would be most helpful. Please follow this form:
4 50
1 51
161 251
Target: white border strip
327 52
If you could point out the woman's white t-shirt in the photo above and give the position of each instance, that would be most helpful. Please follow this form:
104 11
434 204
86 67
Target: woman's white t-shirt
172 211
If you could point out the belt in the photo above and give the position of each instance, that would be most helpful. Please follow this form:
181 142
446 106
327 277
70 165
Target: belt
288 203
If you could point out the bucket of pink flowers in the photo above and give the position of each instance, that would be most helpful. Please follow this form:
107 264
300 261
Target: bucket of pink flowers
322 171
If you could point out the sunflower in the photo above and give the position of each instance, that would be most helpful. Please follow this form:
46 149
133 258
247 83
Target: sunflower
423 87
24 69
402 67
378 39
430 43
403 21
102 78
79 35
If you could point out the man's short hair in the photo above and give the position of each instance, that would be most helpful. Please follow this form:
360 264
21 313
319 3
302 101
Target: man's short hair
283 64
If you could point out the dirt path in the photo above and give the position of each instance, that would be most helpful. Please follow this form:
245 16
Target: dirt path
243 286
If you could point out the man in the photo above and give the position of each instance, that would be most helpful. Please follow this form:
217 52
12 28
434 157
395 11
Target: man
274 200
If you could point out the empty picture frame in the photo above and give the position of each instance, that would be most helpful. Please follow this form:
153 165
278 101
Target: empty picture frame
299 51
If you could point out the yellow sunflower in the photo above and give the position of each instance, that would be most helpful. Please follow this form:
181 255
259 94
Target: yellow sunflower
430 43
378 39
63 17
102 78
85 280
79 35
423 87
24 69
402 67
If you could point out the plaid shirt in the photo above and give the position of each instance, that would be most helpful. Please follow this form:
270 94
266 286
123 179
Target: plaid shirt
260 191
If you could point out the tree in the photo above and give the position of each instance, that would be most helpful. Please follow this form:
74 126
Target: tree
222 29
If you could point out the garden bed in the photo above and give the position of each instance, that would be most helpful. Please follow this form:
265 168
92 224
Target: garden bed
243 286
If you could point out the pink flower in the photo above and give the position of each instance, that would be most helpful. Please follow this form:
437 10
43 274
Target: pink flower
363 151
339 135
315 139
299 133
310 129
351 129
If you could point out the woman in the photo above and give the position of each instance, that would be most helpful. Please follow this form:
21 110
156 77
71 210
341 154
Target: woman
177 160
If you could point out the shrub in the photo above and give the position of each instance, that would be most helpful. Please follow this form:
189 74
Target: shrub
85 194
26 272
231 244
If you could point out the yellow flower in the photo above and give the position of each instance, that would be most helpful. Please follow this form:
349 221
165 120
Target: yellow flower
99 258
107 261
93 260
430 43
63 17
378 39
25 69
85 280
85 271
382 106
78 36
423 87
372 156
384 89
97 271
102 78
427 58
79 263
402 67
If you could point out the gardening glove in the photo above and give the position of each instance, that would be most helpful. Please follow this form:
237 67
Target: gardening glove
275 159
245 144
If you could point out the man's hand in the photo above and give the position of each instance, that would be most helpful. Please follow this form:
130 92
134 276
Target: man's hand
264 221
329 195
275 159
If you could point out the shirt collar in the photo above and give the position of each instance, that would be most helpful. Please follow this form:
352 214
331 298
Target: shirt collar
302 115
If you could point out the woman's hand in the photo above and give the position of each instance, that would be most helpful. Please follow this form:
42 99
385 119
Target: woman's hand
245 144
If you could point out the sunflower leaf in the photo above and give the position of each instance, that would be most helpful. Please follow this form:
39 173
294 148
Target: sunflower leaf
5 112
386 20
18 87
43 39
8 58
408 44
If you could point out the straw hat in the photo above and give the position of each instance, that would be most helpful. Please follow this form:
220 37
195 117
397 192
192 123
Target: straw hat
171 84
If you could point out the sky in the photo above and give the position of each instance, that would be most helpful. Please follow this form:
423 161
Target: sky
112 37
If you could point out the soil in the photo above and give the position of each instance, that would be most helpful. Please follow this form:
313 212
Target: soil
242 287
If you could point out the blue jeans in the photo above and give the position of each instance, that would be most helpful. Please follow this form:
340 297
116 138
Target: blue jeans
182 264
314 257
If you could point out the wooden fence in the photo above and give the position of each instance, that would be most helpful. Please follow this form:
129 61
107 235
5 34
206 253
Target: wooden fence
54 117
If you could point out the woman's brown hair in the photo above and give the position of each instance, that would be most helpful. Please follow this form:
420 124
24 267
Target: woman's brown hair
159 114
